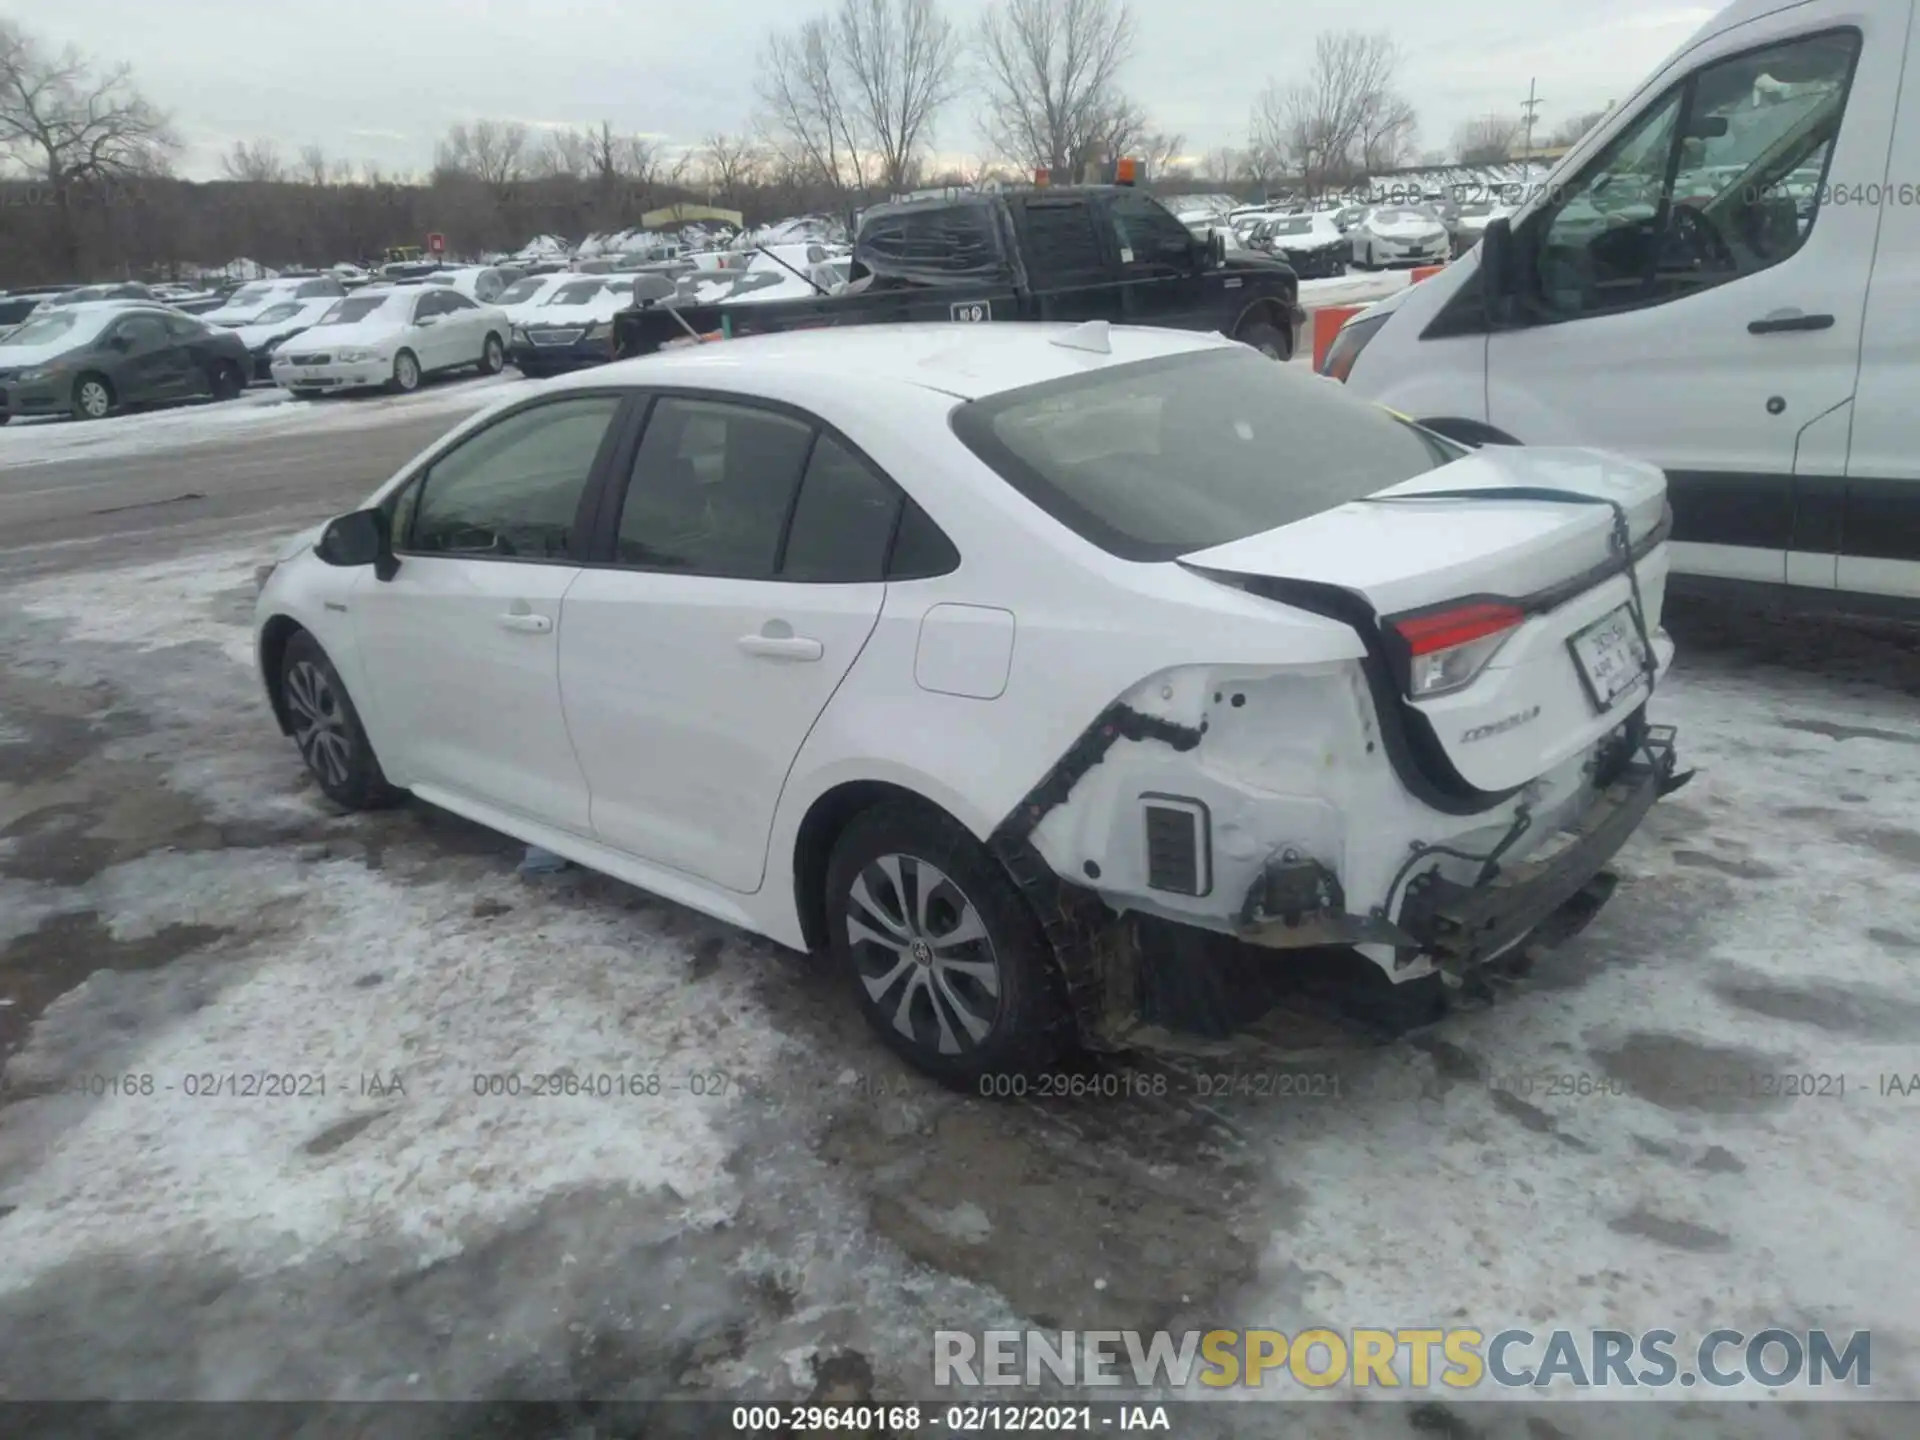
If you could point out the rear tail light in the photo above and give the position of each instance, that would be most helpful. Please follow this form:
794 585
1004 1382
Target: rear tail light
1447 649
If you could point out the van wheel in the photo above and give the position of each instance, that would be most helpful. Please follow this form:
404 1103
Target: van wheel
1267 339
944 956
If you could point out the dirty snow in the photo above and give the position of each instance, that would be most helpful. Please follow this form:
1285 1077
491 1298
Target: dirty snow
1766 926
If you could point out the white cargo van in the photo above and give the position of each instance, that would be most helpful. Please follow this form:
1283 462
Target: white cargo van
1722 278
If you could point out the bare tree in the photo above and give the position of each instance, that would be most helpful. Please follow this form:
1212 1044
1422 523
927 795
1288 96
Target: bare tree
1052 75
900 60
811 119
493 152
564 152
70 126
1573 131
259 162
1344 118
1488 140
729 163
314 168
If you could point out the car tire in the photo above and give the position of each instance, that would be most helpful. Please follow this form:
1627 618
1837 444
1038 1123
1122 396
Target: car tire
93 397
406 373
225 381
1269 340
333 743
960 1010
303 394
493 355
4 418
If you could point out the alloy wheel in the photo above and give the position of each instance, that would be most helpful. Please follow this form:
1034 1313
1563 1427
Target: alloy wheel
319 723
923 953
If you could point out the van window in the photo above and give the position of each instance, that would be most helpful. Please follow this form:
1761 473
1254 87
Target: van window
1718 179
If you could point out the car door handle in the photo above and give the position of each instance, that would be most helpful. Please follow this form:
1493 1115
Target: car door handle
1788 320
532 624
781 647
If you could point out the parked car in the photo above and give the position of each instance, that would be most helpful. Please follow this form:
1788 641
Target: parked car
392 338
1311 244
17 305
89 360
1400 235
88 294
1071 252
482 283
276 325
1757 346
244 305
1467 222
964 651
573 326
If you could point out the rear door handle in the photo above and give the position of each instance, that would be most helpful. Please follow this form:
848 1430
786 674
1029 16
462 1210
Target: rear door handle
1788 320
532 624
781 647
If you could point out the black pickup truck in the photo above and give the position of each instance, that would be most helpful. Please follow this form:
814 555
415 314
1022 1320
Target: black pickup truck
1072 253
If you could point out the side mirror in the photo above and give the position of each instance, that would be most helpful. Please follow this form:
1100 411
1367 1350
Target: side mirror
1497 284
359 539
1216 249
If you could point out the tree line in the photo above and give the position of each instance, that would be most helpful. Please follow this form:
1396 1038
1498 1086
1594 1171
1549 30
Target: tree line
848 103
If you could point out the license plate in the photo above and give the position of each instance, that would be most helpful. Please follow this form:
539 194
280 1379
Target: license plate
1610 657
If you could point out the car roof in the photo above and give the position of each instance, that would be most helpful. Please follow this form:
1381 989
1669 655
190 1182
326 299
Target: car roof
967 361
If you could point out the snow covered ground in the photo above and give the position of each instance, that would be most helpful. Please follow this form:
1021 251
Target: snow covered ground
259 411
1606 1144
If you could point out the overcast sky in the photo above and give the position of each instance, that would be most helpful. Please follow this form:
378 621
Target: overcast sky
379 82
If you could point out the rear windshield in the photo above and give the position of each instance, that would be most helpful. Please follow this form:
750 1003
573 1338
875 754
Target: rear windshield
1156 459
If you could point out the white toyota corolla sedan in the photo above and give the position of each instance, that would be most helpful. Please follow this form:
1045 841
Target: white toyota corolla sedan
1034 671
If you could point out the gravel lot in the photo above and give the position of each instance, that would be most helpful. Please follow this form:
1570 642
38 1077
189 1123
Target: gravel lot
793 1213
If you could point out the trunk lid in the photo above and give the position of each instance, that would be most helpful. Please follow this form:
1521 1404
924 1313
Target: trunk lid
1534 703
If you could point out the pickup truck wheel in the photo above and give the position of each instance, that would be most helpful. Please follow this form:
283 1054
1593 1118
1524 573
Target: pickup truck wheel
944 956
1268 340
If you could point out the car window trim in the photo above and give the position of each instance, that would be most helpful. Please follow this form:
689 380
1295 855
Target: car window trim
585 513
605 540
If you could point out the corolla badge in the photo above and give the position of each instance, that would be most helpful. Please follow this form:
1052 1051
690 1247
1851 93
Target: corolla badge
1499 727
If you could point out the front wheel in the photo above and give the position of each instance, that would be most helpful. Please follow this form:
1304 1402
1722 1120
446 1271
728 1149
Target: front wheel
92 397
327 728
493 356
225 381
406 373
945 958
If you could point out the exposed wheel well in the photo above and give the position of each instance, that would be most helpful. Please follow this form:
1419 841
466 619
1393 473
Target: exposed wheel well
274 636
1266 312
820 830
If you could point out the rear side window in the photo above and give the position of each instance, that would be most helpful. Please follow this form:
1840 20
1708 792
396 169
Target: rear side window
710 489
842 520
1062 245
939 240
1159 458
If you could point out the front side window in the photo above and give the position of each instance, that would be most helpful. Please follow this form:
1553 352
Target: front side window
141 332
185 327
1062 245
1720 178
1155 459
1147 235
513 490
710 489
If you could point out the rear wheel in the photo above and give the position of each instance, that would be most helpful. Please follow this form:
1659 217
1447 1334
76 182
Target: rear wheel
406 372
327 728
92 397
945 958
1269 340
225 380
